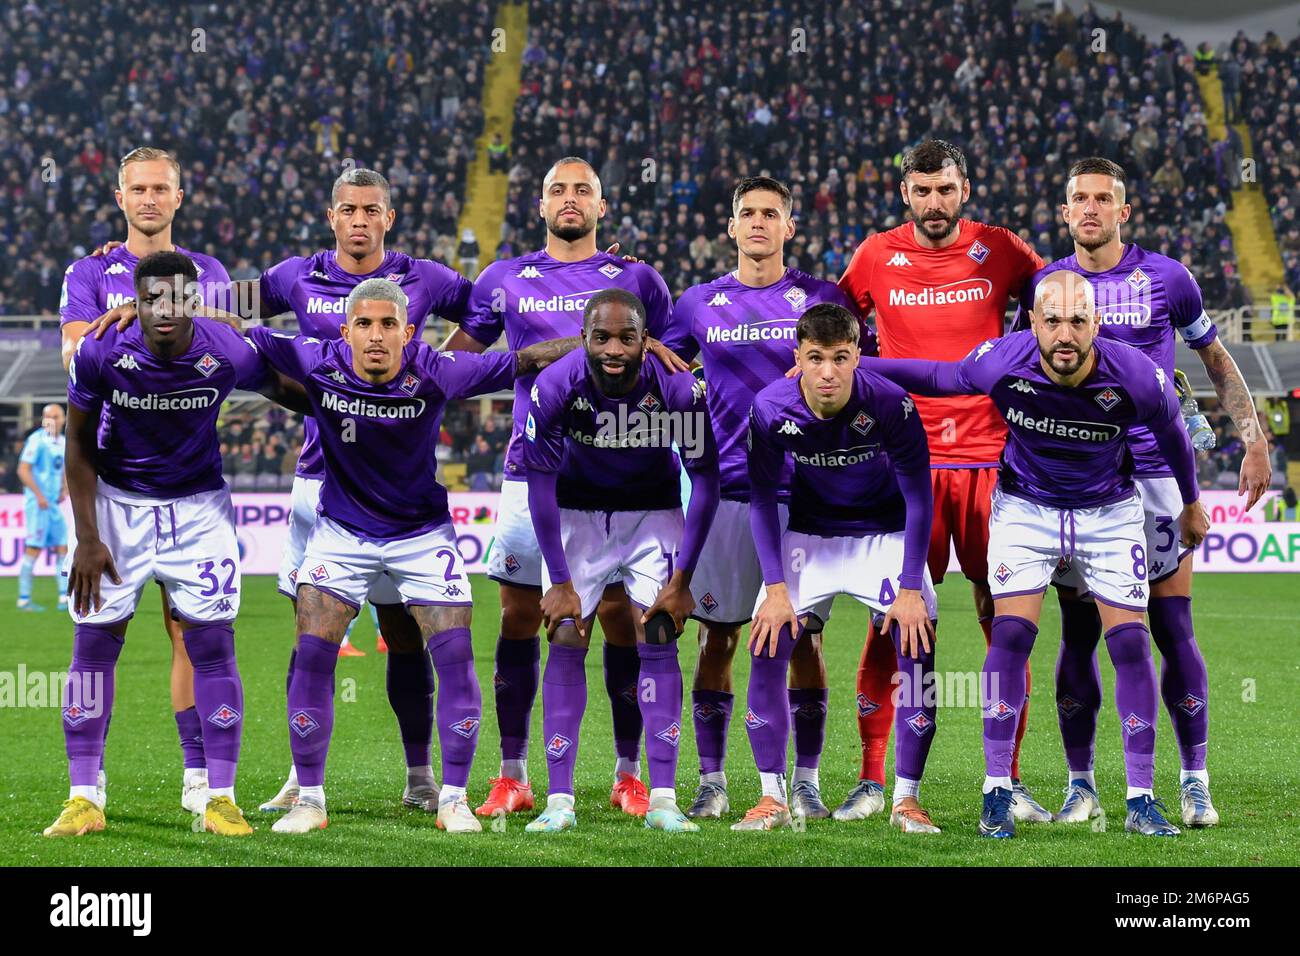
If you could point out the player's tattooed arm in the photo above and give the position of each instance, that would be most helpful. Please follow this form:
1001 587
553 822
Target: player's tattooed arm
534 358
322 614
91 560
1235 397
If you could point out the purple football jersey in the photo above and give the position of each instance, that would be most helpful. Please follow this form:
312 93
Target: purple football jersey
1066 447
1143 301
158 419
94 284
616 454
745 337
535 298
315 289
380 474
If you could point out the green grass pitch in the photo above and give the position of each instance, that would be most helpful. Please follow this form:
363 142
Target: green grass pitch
1246 624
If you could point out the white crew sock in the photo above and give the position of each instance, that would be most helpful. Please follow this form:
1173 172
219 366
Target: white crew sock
90 793
1139 792
515 770
904 788
662 797
630 767
810 774
717 777
419 776
195 774
773 786
1201 775
559 801
450 794
1085 775
312 794
991 783
222 792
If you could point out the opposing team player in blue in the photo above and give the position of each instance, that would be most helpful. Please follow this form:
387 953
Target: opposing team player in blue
40 469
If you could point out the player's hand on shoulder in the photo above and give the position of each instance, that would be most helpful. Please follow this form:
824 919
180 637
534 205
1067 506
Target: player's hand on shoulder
774 613
915 630
120 317
1193 524
107 247
561 603
90 562
613 251
671 360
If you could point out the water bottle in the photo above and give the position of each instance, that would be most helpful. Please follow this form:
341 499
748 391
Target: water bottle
1198 427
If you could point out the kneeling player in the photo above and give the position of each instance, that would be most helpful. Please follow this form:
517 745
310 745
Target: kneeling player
149 502
605 497
860 515
1066 498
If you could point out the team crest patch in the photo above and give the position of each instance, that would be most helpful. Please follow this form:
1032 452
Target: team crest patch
1134 725
409 384
863 423
466 726
796 297
207 365
1062 566
319 573
978 251
705 712
920 724
1108 398
810 710
1191 705
709 602
1137 279
1003 574
866 706
1000 711
671 734
394 277
499 683
649 404
293 577
753 721
628 693
1067 706
511 563
558 746
302 723
224 716
609 270
74 715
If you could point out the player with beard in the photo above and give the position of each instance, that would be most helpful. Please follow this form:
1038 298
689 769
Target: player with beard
939 286
149 194
531 299
1144 298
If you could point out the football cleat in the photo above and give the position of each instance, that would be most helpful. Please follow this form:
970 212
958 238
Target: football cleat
806 801
78 818
997 820
710 802
630 795
350 650
101 789
1198 811
194 794
223 818
1145 816
669 819
556 818
912 819
381 645
768 814
421 797
30 606
866 797
1081 804
455 816
507 795
1024 807
303 817
282 801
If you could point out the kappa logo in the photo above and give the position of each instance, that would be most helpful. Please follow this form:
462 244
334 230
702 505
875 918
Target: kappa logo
1020 385
339 377
1067 706
319 573
671 734
127 362
753 721
789 428
649 404
709 602
580 404
317 274
909 406
609 270
920 724
511 563
466 726
1137 593
706 712
1000 711
528 272
207 365
1134 725
1191 705
796 297
224 606
224 716
558 746
1003 573
978 251
866 706
863 423
74 715
303 723
409 384
984 349
720 298
1107 398
452 590
1156 568
898 259
1137 279
628 693
116 269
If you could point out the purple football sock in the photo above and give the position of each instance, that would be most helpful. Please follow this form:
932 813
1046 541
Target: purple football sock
311 707
1003 688
622 667
190 730
564 698
88 700
660 699
1078 682
1184 683
288 677
218 698
808 718
103 749
518 665
410 684
913 717
711 712
460 707
768 716
1136 699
